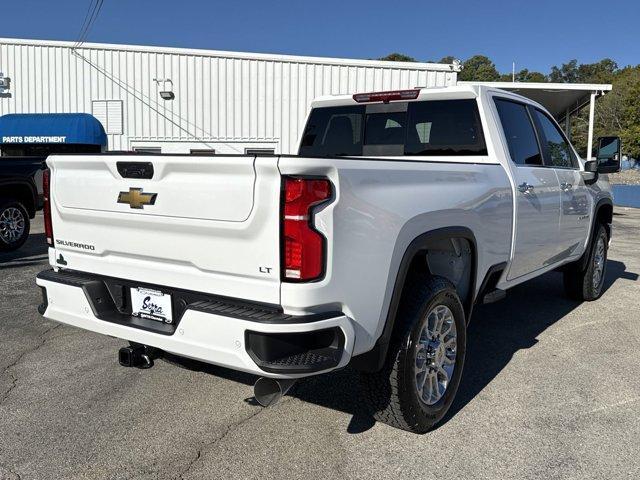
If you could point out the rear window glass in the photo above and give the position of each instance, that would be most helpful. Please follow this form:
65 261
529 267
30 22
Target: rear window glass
333 131
437 127
445 127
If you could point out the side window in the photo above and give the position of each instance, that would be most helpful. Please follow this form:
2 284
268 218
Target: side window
519 132
556 148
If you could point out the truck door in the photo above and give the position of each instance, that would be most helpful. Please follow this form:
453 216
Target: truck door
537 192
576 201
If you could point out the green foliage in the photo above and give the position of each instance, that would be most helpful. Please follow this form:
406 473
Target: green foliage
480 69
398 57
601 72
617 113
524 75
447 59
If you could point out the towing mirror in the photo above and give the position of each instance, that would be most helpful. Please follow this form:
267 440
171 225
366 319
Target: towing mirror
590 174
608 156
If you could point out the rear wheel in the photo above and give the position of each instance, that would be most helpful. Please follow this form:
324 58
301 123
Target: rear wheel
586 284
14 225
419 380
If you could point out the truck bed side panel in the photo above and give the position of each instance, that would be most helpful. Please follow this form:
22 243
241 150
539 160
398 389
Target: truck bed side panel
381 206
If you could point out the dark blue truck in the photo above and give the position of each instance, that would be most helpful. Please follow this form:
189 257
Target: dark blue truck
20 198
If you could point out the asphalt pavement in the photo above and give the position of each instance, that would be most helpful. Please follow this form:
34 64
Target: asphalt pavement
551 390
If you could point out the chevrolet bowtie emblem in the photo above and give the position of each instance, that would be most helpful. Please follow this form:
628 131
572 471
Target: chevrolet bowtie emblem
136 198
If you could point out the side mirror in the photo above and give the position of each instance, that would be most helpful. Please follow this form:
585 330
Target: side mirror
608 156
590 174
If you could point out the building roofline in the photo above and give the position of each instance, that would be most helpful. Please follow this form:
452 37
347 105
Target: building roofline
443 67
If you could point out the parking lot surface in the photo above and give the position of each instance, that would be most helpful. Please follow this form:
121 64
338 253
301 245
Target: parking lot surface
551 389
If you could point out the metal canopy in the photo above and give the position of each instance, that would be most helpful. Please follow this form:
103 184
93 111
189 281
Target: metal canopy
561 99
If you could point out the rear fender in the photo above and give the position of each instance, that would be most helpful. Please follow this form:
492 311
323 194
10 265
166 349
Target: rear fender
374 359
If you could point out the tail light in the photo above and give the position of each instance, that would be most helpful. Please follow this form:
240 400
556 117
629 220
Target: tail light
46 187
303 247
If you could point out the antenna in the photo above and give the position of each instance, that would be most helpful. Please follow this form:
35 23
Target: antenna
513 72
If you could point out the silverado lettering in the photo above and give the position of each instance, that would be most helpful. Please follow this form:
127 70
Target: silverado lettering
83 246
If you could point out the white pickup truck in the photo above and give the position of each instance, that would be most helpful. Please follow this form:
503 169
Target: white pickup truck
370 248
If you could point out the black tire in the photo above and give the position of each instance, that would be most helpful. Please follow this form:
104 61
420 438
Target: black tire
580 283
392 393
12 208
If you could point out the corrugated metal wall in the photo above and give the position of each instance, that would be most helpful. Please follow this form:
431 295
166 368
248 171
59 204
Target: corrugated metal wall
224 100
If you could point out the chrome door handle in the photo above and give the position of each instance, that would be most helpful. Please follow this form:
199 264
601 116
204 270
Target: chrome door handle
525 188
566 186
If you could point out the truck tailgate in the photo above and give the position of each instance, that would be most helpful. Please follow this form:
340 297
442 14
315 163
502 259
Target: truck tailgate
208 224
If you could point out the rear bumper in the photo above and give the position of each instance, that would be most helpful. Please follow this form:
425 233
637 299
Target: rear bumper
257 339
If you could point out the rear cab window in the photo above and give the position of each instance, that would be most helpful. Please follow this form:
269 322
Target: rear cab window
428 128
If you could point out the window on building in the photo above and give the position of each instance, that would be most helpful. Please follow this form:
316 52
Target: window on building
155 150
557 150
202 151
519 132
109 113
259 151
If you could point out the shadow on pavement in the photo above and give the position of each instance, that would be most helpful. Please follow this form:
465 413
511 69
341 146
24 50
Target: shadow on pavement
496 333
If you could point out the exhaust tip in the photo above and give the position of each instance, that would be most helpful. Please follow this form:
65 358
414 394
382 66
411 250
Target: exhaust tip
268 391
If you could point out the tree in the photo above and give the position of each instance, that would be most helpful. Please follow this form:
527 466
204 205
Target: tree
480 69
599 72
447 59
524 75
567 73
398 57
617 113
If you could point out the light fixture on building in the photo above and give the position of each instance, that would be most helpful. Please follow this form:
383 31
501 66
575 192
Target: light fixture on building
5 84
165 93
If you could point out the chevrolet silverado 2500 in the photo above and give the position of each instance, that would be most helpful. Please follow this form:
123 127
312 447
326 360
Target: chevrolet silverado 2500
369 248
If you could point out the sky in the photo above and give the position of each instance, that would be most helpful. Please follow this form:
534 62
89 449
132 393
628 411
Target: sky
534 34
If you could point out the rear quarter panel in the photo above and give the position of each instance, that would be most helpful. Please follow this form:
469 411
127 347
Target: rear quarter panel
380 206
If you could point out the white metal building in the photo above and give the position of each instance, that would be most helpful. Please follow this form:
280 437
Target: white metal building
223 102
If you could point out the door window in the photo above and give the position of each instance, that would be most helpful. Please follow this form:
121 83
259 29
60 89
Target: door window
519 132
556 148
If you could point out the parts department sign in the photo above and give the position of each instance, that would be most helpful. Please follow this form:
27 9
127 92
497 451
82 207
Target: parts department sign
35 139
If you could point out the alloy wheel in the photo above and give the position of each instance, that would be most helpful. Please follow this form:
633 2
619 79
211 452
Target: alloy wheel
435 355
12 225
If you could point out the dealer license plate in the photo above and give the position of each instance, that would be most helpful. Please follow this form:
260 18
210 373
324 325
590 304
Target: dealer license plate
151 304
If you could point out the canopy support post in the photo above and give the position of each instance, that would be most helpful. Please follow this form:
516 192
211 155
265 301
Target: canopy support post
592 105
567 124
